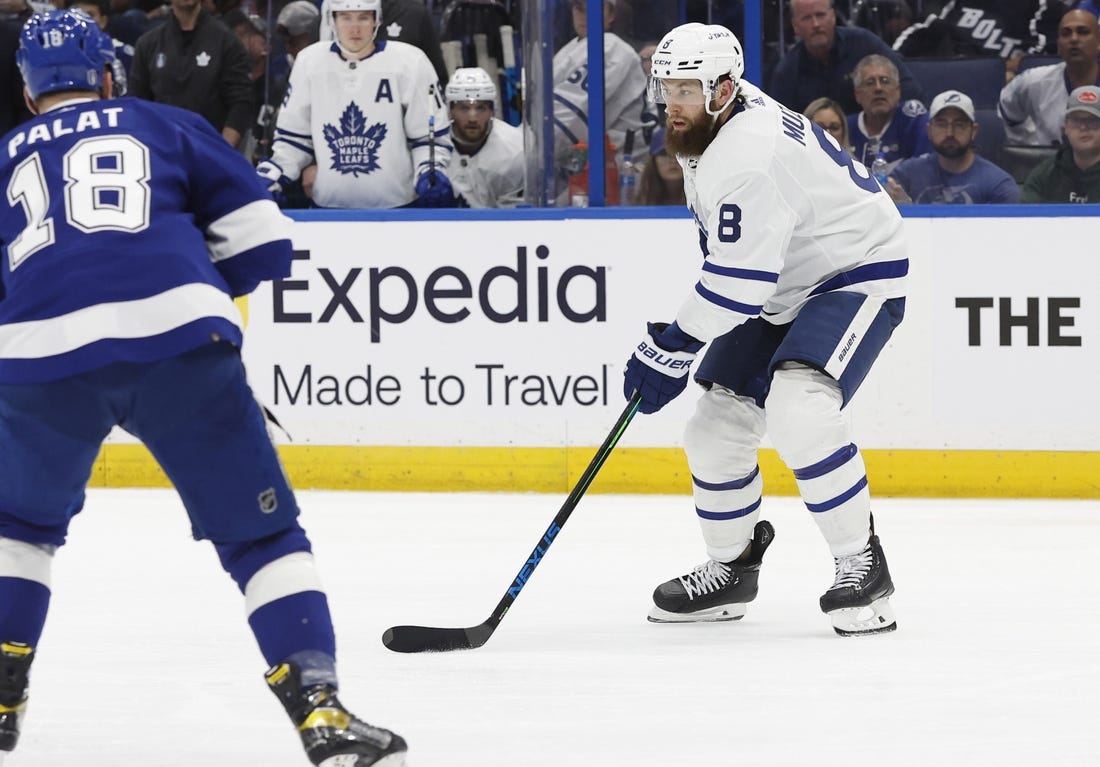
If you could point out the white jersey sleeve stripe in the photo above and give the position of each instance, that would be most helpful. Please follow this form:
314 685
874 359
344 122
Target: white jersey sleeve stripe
304 148
744 274
246 228
141 318
727 303
285 132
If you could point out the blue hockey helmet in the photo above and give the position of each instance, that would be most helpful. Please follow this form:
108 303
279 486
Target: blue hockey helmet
62 51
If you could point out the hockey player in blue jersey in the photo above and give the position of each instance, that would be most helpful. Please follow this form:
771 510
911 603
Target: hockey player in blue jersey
801 286
127 230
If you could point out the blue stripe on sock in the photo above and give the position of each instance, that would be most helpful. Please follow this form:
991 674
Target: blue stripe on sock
846 495
823 467
720 515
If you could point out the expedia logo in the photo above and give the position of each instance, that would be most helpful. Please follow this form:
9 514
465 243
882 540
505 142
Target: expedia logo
391 295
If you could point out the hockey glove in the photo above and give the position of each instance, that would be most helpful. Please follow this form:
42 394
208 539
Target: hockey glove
272 176
659 369
434 190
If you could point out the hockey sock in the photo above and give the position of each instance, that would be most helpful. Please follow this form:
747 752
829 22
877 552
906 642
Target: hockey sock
24 590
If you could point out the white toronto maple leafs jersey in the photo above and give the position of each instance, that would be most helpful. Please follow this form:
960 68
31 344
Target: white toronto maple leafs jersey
624 92
784 214
365 124
492 177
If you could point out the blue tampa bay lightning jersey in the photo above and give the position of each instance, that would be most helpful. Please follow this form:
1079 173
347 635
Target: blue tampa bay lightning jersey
126 230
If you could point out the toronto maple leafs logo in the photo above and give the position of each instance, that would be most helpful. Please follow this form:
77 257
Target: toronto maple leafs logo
354 146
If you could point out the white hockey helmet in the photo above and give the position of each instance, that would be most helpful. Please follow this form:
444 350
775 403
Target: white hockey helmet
703 52
470 84
330 7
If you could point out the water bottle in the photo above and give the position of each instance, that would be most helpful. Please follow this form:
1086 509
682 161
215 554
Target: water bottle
578 175
628 181
879 168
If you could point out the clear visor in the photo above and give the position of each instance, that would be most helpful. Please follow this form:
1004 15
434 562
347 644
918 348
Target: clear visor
679 92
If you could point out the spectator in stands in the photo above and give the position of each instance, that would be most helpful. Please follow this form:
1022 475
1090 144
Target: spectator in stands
1032 105
100 11
267 88
1073 173
194 62
645 53
829 115
662 179
1006 28
13 108
624 86
886 18
487 169
821 62
408 21
953 173
885 124
299 24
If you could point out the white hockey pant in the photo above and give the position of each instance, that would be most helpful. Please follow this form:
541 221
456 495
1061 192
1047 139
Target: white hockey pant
811 435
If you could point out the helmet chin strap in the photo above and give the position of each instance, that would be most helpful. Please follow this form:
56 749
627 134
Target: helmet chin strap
714 116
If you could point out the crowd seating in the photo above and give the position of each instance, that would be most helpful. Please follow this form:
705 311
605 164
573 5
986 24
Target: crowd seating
981 78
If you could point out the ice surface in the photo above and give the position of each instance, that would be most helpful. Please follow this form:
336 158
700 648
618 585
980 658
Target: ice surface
147 658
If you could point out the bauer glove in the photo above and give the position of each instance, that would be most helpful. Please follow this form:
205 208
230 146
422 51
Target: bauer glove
659 368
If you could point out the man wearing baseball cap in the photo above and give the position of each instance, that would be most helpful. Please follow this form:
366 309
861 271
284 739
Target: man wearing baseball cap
1073 173
953 173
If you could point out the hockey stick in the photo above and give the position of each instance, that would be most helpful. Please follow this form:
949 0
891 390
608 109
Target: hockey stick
431 639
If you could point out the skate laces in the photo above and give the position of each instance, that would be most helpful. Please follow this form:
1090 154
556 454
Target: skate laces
852 568
705 578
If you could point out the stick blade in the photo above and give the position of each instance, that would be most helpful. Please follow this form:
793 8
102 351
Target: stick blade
410 639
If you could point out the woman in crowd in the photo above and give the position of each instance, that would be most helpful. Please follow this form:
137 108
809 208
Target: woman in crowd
662 179
830 116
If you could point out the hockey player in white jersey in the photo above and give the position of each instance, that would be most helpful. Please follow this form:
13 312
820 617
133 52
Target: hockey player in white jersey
624 86
370 115
802 284
488 166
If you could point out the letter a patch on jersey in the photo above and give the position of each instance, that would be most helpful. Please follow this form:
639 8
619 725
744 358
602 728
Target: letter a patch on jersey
354 146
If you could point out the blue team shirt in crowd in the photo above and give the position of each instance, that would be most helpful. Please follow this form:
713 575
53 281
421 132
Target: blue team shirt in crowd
906 136
128 226
799 78
926 182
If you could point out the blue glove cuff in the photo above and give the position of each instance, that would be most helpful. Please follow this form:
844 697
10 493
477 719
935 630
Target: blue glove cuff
671 338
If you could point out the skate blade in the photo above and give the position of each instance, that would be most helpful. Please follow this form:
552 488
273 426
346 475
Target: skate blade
733 612
352 760
875 618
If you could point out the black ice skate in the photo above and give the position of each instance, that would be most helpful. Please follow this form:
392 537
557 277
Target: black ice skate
858 602
15 664
331 735
714 591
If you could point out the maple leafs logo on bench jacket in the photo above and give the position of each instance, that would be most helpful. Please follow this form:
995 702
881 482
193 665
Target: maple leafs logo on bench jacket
354 146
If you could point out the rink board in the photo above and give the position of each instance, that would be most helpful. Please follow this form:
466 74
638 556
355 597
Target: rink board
486 354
